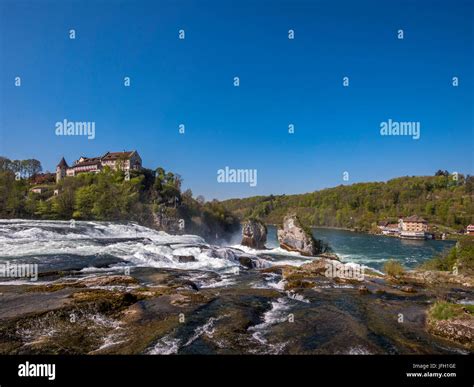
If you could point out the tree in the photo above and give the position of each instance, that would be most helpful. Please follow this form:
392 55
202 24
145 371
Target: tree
63 204
26 168
85 197
439 172
5 164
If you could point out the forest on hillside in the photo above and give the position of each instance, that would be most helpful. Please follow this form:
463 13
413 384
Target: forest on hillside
150 197
444 200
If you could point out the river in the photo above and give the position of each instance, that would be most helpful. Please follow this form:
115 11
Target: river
374 250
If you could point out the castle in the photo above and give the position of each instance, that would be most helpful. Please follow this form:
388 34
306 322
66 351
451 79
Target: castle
126 161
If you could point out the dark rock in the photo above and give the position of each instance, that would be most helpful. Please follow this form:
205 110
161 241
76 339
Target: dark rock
223 253
299 284
190 285
364 289
254 234
247 262
185 258
408 289
235 255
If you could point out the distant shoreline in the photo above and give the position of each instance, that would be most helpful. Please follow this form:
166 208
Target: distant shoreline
327 227
449 238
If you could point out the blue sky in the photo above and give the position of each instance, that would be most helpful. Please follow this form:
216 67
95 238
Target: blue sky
282 81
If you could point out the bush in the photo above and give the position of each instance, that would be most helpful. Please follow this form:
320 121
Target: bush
443 310
393 268
461 255
321 247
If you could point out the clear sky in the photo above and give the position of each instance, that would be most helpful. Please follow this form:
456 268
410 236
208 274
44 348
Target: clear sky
282 82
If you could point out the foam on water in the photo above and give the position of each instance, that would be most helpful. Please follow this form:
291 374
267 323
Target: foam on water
297 297
167 345
130 242
225 281
207 329
54 242
272 251
357 350
278 313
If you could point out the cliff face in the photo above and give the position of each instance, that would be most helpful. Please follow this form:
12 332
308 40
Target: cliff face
254 234
294 237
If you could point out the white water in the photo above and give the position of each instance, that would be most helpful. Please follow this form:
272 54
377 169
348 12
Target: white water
167 345
290 257
43 241
278 313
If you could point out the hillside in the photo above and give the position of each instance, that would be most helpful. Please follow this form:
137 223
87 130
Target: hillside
152 198
440 199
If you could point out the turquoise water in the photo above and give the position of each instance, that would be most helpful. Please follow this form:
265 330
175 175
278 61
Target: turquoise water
374 250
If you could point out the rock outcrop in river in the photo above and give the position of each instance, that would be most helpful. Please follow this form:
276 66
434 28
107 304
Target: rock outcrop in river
294 237
254 234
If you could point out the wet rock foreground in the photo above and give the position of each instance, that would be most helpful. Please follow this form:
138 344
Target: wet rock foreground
275 310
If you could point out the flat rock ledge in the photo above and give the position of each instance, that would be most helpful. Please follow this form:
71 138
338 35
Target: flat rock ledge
460 330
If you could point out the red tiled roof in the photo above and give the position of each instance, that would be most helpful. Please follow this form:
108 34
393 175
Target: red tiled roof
117 155
90 159
86 163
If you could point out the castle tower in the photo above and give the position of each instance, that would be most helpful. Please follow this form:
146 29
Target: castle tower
61 170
